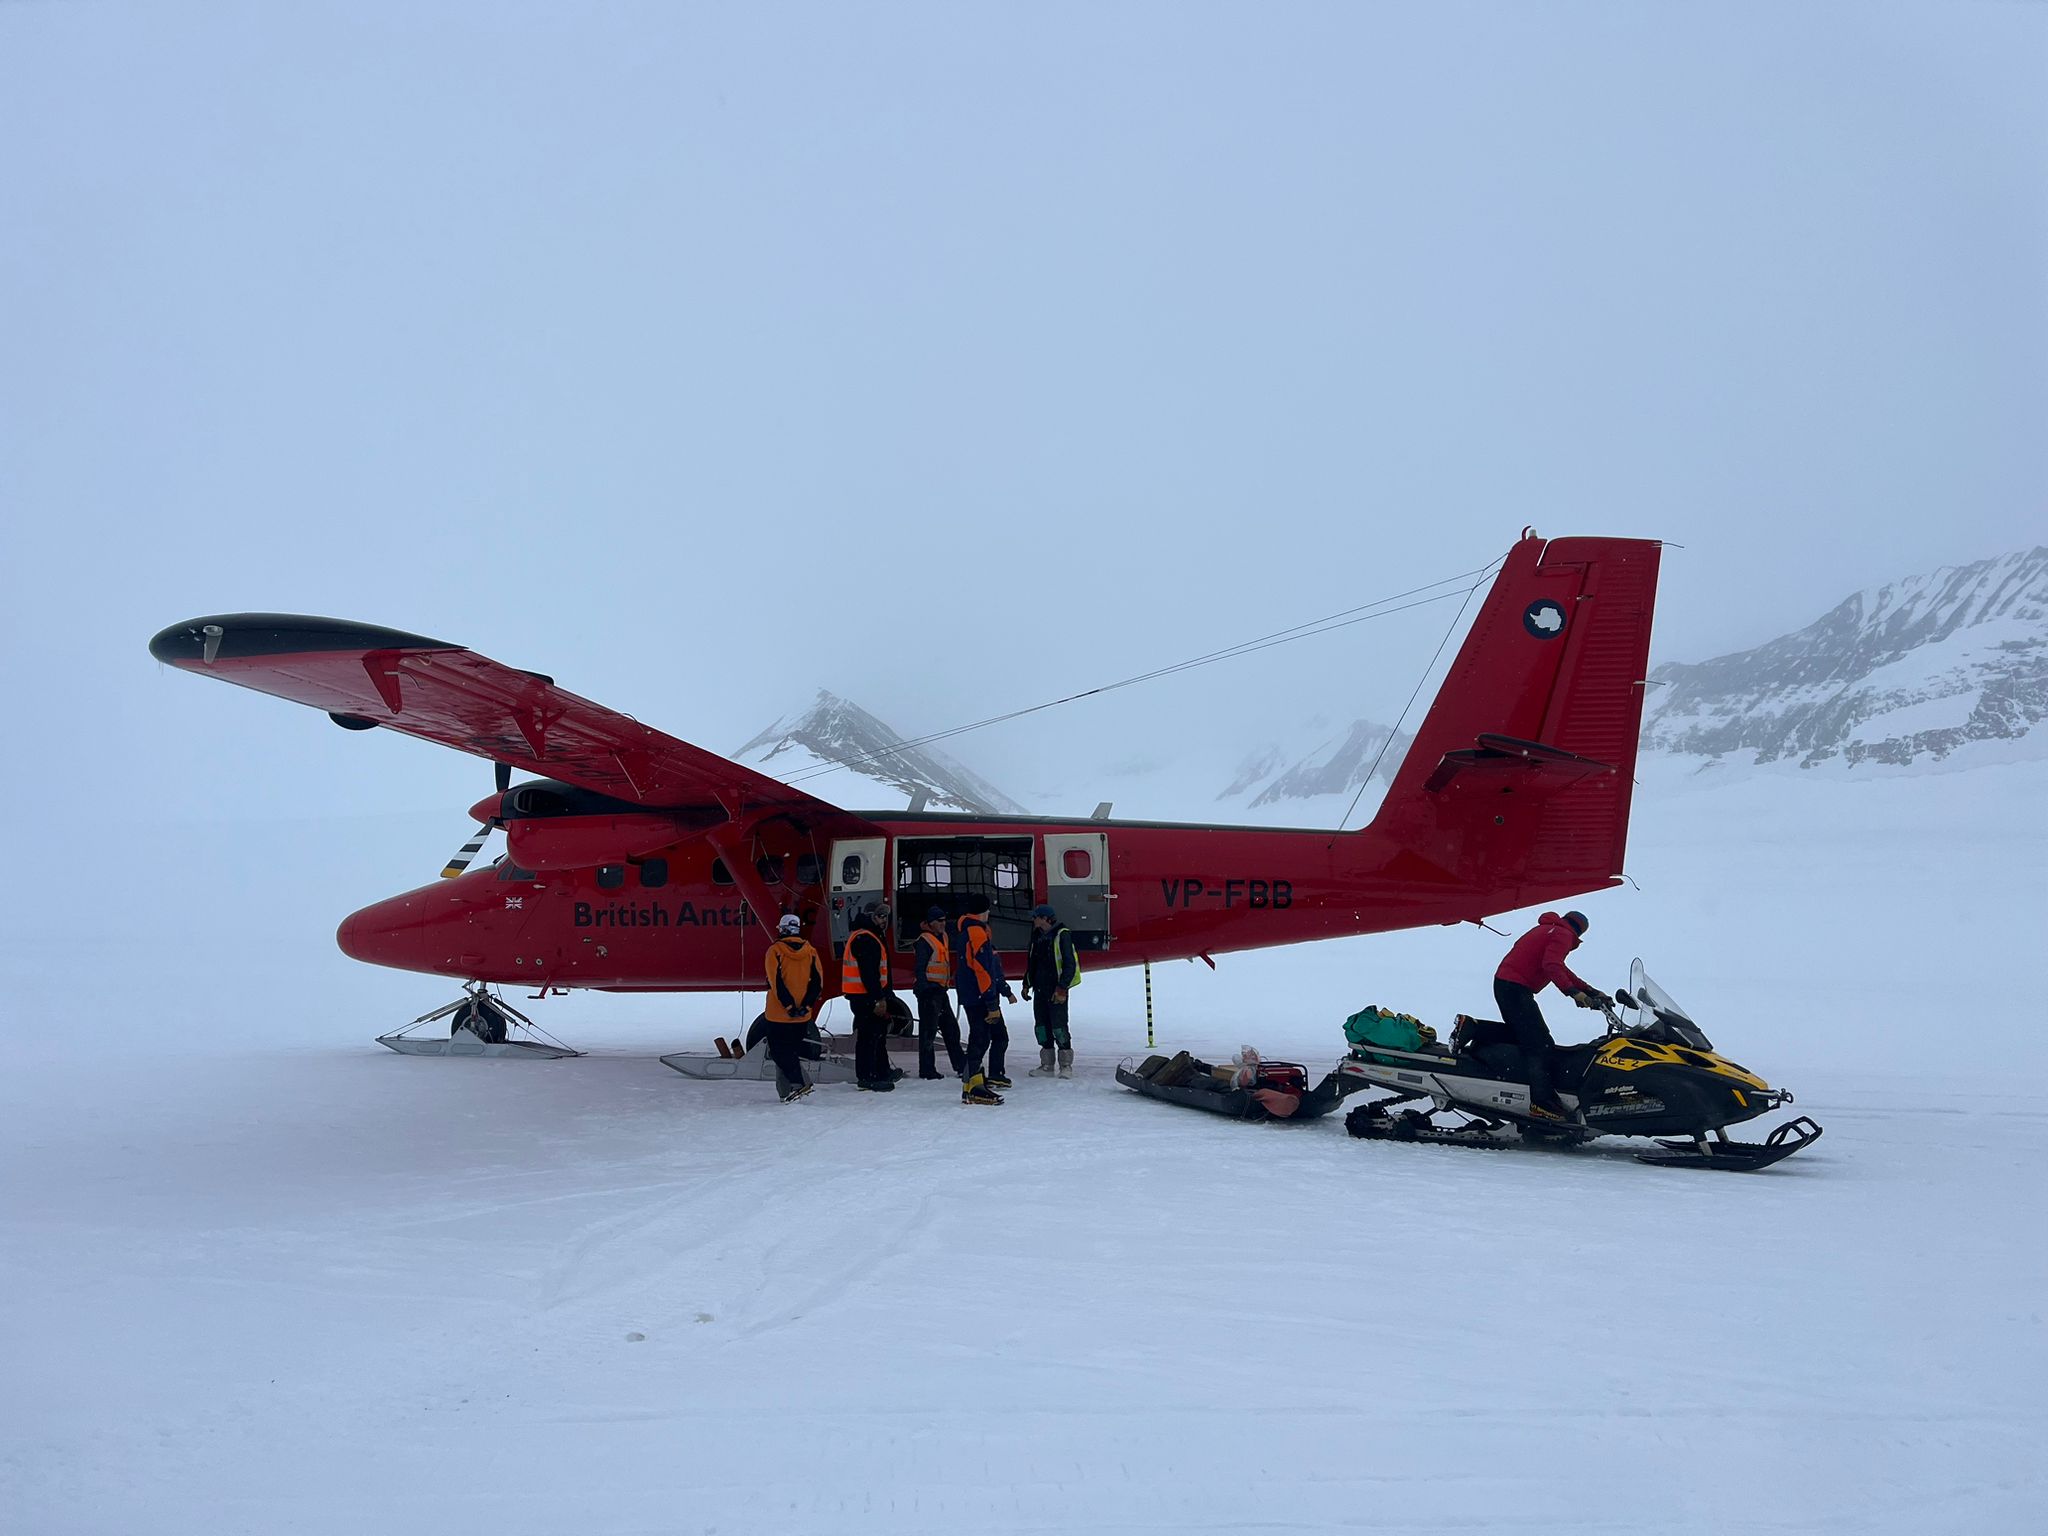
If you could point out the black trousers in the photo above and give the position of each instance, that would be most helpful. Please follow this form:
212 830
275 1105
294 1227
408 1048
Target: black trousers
1519 1012
935 1018
870 1037
1049 1022
785 1049
987 1036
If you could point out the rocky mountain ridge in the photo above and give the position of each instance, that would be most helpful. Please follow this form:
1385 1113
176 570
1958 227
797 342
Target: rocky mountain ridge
1337 766
836 732
1905 672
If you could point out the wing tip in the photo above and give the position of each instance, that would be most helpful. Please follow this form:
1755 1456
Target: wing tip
204 640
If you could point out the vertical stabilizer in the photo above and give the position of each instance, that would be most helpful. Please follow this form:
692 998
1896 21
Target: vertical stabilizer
1520 776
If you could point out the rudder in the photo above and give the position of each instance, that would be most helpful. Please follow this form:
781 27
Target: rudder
1520 777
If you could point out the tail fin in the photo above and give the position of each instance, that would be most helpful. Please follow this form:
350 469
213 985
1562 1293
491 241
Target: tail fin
1520 776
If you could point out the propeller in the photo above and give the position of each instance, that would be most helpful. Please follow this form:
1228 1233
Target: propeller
466 854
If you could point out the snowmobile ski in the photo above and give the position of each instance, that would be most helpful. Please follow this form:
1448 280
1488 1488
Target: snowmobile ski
1736 1156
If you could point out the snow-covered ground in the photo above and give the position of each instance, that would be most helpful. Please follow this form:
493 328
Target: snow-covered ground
346 1292
258 1275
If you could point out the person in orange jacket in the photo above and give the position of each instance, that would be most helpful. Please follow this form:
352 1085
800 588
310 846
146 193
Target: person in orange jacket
796 981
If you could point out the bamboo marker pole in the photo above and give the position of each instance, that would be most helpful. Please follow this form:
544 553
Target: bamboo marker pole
1148 1005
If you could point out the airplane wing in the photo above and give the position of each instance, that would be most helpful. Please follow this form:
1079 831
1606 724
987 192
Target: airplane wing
365 676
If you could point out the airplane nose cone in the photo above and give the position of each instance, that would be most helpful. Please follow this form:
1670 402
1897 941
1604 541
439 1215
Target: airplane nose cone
383 933
440 929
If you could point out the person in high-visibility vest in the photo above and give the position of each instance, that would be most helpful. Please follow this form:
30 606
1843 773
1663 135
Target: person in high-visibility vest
796 980
978 980
864 979
933 957
1051 970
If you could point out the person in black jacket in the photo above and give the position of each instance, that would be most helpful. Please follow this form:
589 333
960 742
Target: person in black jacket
864 979
1050 970
934 974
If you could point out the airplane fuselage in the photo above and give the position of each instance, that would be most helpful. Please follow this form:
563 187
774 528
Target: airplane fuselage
1133 891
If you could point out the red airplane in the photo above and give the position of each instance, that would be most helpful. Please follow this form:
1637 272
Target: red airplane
641 863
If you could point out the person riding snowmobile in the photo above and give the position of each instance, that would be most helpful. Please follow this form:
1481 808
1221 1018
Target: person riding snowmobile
1537 961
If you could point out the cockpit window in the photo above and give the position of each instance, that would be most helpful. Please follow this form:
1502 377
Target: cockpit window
507 870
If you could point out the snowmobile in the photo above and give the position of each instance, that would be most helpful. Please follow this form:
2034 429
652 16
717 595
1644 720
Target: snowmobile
1654 1073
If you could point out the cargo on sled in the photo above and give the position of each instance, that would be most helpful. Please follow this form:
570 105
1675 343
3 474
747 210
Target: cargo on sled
1249 1088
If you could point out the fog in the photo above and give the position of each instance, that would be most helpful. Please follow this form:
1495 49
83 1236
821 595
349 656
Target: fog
957 358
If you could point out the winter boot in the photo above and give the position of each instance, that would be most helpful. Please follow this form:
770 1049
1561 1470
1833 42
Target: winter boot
791 1092
998 1080
977 1091
876 1085
1066 1063
1045 1066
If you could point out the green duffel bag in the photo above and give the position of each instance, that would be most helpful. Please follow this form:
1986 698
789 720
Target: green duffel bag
1389 1031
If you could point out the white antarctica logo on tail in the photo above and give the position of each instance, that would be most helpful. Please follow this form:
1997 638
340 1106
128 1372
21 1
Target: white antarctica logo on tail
1544 618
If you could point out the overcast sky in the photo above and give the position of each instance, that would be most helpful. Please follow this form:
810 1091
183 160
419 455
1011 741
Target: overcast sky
956 355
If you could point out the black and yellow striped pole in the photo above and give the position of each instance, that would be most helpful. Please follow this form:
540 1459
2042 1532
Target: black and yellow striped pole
1148 1005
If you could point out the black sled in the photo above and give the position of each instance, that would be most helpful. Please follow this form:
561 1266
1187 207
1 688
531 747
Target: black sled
1279 1091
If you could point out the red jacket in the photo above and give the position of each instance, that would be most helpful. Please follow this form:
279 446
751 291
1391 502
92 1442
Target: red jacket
1537 960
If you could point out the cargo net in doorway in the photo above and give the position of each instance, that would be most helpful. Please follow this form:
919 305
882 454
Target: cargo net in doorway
945 871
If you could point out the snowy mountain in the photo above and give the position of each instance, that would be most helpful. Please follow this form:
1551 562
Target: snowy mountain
1903 673
1332 770
835 732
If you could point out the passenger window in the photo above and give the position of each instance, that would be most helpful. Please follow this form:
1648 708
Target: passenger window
1076 863
1008 876
810 869
610 876
720 875
849 870
938 871
654 873
903 876
769 868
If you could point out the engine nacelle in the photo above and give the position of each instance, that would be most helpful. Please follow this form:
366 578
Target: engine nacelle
578 842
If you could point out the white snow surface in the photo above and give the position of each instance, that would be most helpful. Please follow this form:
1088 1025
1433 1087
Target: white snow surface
258 1275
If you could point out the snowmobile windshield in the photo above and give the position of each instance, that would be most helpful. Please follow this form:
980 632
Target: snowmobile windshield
1658 1012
